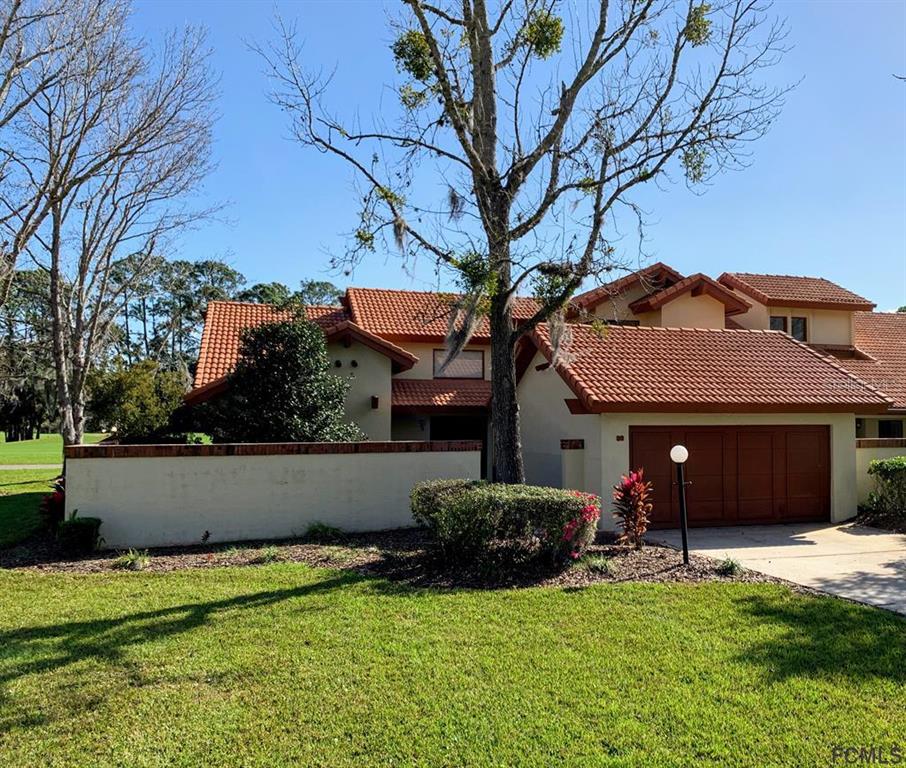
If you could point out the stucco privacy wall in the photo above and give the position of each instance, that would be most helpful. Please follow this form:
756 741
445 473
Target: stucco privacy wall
149 496
615 451
866 452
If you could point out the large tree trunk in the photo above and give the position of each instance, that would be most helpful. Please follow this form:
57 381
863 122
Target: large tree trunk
508 467
58 326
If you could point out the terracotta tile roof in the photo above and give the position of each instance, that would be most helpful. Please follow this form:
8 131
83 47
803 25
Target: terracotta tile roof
628 368
697 284
657 276
789 290
224 319
414 315
425 394
882 336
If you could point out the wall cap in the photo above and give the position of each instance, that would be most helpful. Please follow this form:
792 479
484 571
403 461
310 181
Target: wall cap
264 449
880 442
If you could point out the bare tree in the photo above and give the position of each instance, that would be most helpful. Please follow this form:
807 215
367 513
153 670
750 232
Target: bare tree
113 151
39 43
538 125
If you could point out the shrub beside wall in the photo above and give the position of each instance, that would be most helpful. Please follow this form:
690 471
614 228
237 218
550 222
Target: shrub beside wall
469 519
889 497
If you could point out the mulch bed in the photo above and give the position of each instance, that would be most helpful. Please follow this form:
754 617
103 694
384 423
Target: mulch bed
886 522
400 555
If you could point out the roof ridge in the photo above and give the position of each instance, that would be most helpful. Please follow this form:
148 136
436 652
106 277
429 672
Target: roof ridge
777 274
270 305
681 328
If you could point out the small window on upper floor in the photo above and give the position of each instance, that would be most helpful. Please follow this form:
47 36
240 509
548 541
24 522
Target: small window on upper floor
890 428
778 323
799 328
469 364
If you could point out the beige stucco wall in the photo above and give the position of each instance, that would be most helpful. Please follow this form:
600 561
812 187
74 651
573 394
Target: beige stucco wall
370 377
424 368
617 307
688 311
545 420
864 457
572 468
149 502
825 326
615 453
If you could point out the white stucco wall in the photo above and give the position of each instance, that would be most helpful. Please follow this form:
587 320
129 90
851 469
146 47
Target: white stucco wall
150 502
864 457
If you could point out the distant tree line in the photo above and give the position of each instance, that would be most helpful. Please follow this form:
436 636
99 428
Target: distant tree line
147 358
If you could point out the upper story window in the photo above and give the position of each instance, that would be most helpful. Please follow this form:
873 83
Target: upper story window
890 428
778 323
469 364
799 328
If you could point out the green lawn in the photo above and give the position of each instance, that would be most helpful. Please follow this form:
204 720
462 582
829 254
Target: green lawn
20 494
285 665
48 449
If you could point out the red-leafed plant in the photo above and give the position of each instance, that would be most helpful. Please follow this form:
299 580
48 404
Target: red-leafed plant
632 506
53 505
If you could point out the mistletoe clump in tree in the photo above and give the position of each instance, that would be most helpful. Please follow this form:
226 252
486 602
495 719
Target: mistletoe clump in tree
542 126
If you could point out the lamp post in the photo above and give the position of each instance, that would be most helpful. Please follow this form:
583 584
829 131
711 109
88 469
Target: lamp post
678 455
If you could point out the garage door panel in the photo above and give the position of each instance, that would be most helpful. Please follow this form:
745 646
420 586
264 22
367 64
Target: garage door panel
647 450
741 474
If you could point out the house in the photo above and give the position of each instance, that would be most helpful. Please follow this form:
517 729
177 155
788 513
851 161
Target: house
766 379
389 344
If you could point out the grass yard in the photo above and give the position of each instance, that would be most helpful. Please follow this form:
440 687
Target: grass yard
48 449
20 494
285 664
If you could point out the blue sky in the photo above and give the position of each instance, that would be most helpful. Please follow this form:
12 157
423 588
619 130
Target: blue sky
825 193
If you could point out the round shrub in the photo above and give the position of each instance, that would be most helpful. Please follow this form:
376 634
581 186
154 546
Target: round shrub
469 519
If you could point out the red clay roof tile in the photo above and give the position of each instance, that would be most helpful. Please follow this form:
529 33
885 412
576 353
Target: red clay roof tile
415 315
881 335
440 393
657 276
626 368
697 283
790 290
224 321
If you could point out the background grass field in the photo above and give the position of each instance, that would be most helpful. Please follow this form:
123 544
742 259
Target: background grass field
48 449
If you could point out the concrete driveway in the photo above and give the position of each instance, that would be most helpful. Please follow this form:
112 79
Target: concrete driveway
864 564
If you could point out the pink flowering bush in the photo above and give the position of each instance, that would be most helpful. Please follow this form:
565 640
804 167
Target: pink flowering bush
632 506
471 521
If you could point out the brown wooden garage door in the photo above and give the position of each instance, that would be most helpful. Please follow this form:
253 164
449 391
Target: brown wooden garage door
739 475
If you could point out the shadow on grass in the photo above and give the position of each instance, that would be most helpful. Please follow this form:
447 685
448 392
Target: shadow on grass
826 638
19 518
46 648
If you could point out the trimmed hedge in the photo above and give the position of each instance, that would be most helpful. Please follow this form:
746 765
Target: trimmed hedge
889 497
468 519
